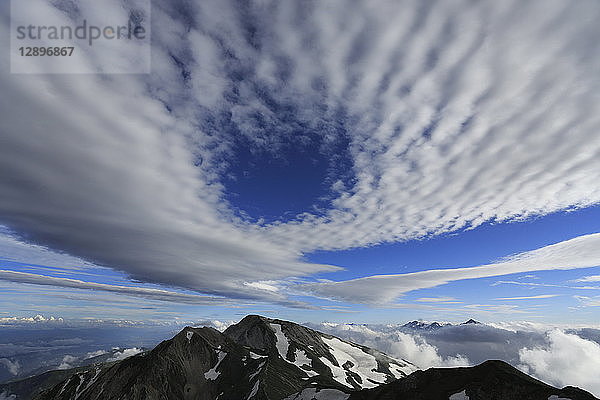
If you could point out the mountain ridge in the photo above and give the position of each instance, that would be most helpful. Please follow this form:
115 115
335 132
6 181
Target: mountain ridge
257 358
270 359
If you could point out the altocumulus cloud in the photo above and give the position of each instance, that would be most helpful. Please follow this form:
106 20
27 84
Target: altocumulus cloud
454 113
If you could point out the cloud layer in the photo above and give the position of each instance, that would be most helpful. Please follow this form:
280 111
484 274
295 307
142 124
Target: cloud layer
581 252
147 293
12 366
452 113
565 359
560 357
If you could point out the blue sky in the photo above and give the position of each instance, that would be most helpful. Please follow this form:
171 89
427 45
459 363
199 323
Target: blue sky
367 163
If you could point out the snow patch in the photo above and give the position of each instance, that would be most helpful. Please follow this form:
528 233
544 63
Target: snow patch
459 396
258 370
401 371
90 383
363 364
282 342
254 390
301 360
189 335
81 382
256 356
283 345
212 373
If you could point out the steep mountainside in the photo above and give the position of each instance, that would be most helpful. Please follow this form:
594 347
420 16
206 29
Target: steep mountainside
322 357
30 387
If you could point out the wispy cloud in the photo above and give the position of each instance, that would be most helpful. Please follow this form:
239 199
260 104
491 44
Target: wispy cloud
148 293
591 278
580 252
444 300
539 296
534 284
589 301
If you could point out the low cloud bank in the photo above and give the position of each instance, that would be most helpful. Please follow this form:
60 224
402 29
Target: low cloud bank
218 325
6 396
67 362
565 359
121 355
13 366
411 347
558 356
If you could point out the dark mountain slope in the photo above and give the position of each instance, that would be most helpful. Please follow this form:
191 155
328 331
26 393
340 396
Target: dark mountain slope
491 380
196 364
29 387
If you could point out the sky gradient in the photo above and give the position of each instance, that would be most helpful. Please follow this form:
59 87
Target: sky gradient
312 161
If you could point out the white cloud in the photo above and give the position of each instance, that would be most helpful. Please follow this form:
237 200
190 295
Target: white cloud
218 325
455 112
588 301
148 293
565 355
410 347
6 396
591 278
469 76
565 359
527 326
28 320
67 362
539 296
13 366
121 355
533 284
580 252
445 300
96 353
418 351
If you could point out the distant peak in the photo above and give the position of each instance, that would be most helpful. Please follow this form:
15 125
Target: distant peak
471 321
422 325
